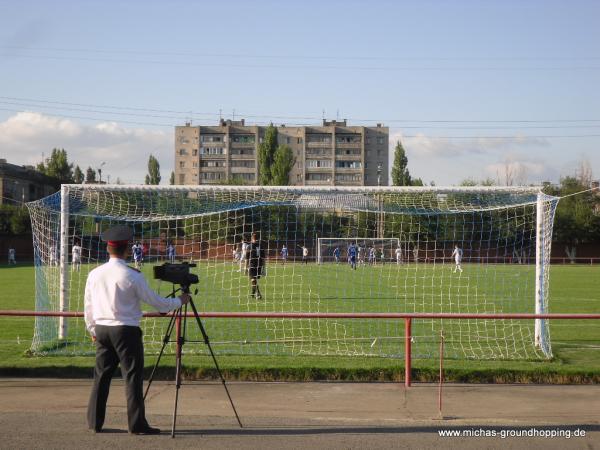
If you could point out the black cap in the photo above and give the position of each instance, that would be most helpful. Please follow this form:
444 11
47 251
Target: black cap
117 233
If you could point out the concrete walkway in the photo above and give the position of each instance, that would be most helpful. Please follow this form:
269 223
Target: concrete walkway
50 413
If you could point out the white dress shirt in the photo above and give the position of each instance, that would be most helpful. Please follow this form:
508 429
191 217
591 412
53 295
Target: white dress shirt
113 293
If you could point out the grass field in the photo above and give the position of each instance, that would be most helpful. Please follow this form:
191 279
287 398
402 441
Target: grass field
574 289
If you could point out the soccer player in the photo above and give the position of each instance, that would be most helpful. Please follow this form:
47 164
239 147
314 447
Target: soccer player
171 252
255 256
336 255
352 256
304 253
398 254
12 256
138 255
243 257
361 254
284 253
372 256
53 255
112 309
458 254
76 257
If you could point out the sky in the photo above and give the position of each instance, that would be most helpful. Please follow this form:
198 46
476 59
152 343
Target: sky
472 89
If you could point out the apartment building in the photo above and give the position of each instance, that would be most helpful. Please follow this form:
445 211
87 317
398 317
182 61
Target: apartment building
333 154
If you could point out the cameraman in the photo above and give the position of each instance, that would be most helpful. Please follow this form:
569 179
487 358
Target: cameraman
113 293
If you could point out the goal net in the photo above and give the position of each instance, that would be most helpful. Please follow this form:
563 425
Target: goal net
502 235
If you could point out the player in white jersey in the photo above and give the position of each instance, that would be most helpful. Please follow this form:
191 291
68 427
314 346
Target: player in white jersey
76 257
12 257
458 254
244 257
398 255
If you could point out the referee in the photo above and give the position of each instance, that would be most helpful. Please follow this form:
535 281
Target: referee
113 294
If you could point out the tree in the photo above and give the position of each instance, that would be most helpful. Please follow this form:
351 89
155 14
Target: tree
283 161
575 221
57 166
400 173
172 178
78 175
153 176
266 154
90 175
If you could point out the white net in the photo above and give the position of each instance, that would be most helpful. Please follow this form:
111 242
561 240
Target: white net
406 242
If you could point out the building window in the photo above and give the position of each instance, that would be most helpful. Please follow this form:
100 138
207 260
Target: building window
195 152
181 178
181 164
182 152
242 163
249 139
212 150
348 164
242 151
318 177
299 140
380 140
287 140
345 177
213 176
318 163
216 163
195 164
209 138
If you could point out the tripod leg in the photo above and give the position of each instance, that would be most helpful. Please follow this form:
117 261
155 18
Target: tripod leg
207 342
166 340
177 367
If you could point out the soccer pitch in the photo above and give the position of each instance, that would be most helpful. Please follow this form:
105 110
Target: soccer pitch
574 289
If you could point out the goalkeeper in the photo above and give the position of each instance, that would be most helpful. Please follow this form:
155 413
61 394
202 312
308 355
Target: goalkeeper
255 256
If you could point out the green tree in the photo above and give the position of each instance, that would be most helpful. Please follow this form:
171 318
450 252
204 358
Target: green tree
153 176
283 161
400 173
266 155
575 219
90 175
78 175
172 178
57 166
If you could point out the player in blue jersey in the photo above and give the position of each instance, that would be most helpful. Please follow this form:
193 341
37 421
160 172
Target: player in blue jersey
138 255
336 255
284 254
352 256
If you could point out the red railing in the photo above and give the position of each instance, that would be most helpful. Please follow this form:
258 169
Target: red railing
408 318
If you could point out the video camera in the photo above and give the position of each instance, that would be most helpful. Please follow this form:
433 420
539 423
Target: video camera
176 273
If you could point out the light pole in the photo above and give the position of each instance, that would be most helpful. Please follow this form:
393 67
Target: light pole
100 172
380 215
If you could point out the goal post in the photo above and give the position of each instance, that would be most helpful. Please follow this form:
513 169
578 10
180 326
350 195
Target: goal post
504 236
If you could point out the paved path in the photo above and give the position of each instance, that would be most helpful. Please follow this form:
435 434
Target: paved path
50 413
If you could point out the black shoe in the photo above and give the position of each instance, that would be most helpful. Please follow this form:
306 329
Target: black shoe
148 430
96 430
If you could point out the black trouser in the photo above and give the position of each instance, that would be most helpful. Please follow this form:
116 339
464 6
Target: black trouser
114 345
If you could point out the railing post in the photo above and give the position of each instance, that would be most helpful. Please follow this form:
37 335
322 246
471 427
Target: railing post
407 351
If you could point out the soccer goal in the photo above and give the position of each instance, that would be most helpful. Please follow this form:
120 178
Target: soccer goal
299 228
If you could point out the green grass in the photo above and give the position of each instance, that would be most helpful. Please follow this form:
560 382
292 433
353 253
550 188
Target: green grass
574 289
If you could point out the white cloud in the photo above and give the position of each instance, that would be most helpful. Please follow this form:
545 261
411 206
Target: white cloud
420 145
449 161
26 135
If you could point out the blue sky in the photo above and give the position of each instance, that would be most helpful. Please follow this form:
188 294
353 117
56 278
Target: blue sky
471 88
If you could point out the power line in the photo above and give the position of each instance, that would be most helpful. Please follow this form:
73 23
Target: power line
196 114
418 136
298 66
305 57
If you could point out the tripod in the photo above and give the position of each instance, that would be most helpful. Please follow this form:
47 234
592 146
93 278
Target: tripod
179 319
